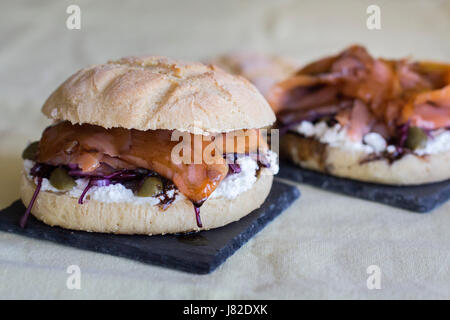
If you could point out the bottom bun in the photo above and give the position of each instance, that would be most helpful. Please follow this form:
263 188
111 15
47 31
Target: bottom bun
311 154
58 209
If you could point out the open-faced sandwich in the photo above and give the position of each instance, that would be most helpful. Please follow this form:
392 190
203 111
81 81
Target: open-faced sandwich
376 120
149 146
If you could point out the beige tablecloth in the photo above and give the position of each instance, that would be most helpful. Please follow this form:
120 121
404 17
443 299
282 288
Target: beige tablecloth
321 247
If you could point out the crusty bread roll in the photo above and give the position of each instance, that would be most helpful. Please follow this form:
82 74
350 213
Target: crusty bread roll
59 209
262 70
150 93
411 169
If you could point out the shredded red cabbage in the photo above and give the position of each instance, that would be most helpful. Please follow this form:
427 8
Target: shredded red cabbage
23 220
40 171
402 135
102 177
72 166
98 182
86 189
197 216
101 182
310 116
234 168
259 157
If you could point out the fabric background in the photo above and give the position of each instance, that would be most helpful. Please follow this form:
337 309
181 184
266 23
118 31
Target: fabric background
320 247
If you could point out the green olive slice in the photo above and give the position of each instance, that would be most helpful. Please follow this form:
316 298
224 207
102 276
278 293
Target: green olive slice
417 138
60 179
152 186
30 151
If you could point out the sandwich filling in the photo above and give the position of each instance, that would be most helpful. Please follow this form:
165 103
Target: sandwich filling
116 165
386 108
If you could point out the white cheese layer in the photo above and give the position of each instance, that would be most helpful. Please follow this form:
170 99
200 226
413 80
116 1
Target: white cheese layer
372 142
337 136
229 188
235 184
437 143
272 157
112 193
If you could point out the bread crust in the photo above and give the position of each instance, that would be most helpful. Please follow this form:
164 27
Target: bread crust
56 209
411 169
261 69
149 93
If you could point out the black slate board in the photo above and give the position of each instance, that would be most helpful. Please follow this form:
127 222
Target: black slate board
200 252
422 198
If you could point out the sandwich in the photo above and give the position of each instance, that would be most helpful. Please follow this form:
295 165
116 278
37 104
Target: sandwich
149 145
376 120
262 70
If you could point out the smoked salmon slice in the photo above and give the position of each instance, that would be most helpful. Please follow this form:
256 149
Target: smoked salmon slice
89 146
366 94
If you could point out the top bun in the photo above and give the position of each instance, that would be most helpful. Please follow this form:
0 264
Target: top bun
149 93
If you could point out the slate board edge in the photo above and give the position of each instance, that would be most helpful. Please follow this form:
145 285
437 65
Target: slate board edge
244 237
86 245
292 172
154 259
